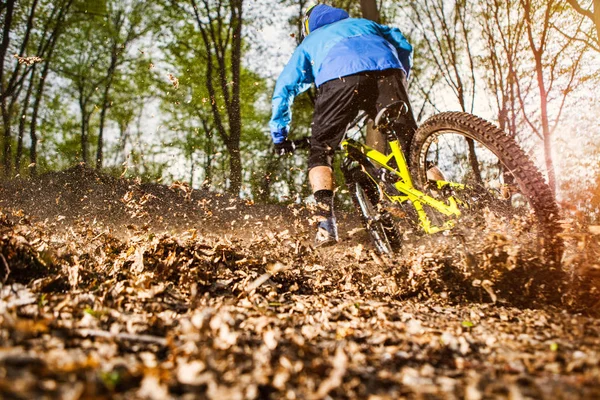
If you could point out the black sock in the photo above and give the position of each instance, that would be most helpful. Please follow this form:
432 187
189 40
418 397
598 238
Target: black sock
324 199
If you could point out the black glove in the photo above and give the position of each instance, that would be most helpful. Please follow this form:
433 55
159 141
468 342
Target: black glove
285 147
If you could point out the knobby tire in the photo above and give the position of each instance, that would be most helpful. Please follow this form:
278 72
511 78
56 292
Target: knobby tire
528 178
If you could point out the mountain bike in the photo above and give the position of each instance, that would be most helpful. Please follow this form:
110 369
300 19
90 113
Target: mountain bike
458 164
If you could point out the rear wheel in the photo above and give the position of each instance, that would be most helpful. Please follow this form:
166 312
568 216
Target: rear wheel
499 175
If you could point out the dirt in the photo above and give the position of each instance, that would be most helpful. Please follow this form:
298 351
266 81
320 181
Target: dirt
117 289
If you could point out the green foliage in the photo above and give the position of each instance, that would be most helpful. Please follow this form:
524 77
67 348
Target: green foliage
91 7
160 131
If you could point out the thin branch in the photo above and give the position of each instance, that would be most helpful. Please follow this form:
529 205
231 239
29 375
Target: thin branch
579 8
6 267
122 336
567 90
588 43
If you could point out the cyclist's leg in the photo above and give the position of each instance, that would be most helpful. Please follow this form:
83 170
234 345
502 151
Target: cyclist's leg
392 87
337 104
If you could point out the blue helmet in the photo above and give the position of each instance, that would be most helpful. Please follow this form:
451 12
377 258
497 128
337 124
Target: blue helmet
319 15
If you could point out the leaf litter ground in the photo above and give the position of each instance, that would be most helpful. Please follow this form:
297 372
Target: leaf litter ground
114 288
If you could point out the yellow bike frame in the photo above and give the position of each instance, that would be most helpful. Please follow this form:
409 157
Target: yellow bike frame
404 185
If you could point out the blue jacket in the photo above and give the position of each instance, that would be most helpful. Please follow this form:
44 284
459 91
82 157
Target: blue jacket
337 46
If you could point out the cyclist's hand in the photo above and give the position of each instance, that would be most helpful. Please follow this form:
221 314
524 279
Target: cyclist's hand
285 147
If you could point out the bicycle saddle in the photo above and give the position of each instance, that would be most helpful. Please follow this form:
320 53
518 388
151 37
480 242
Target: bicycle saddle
391 113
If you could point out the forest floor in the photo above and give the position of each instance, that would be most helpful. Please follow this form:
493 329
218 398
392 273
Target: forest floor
116 289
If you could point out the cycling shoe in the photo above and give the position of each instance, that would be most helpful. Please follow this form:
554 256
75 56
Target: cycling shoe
327 233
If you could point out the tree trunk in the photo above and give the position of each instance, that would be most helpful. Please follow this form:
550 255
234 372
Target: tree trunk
208 151
264 189
192 169
547 135
110 73
11 86
84 134
105 105
5 39
235 115
6 161
16 80
22 120
7 138
99 150
369 10
597 19
217 52
122 144
539 71
235 170
474 162
34 115
36 109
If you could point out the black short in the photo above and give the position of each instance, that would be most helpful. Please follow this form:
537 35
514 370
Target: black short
339 101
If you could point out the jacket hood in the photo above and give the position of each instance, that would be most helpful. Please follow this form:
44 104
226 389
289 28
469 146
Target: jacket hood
323 15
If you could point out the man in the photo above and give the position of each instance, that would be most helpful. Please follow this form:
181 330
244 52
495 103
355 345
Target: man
356 64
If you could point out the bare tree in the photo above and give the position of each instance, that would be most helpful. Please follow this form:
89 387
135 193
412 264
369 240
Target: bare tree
553 78
8 18
503 28
592 13
23 121
447 32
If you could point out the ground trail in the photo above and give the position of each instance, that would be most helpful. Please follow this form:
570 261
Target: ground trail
114 288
